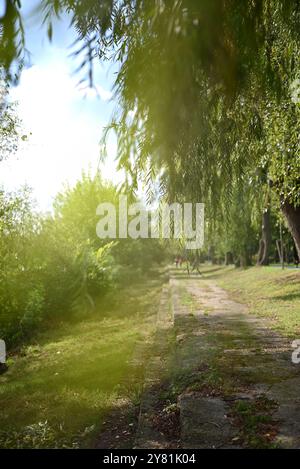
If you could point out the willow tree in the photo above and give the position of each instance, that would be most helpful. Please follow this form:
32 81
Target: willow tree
9 124
202 87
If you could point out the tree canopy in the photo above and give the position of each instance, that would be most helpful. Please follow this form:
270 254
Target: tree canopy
206 92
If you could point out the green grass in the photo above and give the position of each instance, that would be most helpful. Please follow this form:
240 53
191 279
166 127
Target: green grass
188 300
269 291
254 419
59 389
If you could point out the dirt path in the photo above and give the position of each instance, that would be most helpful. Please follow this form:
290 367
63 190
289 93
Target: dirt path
223 377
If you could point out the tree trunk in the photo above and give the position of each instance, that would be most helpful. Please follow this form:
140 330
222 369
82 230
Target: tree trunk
228 258
292 215
265 242
260 251
211 253
245 260
296 258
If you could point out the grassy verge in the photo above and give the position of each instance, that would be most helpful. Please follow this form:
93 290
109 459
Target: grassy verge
60 390
230 360
268 291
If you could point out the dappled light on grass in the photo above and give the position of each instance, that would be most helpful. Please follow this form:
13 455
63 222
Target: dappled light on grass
75 374
269 292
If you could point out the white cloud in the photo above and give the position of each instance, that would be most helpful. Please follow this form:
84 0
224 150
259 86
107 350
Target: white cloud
65 132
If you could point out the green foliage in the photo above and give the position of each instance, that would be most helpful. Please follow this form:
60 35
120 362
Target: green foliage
9 123
254 418
58 392
12 41
205 112
204 92
21 292
55 266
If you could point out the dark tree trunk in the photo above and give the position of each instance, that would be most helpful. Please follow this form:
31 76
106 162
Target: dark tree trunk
260 251
3 368
228 258
245 259
296 258
265 242
211 253
292 215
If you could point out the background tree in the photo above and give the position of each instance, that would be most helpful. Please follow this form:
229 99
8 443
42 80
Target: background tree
9 124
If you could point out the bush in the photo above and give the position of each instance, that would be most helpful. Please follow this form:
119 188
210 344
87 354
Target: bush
54 266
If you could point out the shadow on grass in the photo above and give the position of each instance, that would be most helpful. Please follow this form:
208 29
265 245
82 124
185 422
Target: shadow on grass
287 297
207 272
67 380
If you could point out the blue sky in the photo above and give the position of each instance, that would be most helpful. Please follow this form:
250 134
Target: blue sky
65 120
